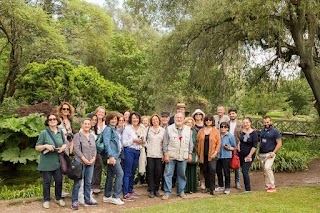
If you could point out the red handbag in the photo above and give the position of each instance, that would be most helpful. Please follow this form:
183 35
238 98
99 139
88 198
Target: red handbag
235 160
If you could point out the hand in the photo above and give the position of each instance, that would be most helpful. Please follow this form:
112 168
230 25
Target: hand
49 147
271 155
112 161
248 159
166 159
189 158
86 162
226 147
214 155
92 161
136 140
238 147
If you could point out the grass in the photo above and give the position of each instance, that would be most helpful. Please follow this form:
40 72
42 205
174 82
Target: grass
298 199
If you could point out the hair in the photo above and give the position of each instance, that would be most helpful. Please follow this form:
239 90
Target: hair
85 119
209 117
143 117
110 116
95 127
232 110
136 114
266 117
59 108
249 119
46 122
120 115
221 106
155 115
225 124
98 108
189 118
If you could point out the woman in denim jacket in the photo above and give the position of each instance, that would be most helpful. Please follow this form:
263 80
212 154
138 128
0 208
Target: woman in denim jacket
228 144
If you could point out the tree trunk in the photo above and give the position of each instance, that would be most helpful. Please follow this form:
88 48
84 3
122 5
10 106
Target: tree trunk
313 79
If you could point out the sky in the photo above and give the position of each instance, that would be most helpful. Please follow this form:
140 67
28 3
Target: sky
99 2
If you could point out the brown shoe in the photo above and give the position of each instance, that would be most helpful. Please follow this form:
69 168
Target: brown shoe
165 197
183 196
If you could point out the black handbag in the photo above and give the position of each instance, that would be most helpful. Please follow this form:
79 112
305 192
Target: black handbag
75 171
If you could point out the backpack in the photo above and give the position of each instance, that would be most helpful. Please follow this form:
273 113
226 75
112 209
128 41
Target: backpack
100 144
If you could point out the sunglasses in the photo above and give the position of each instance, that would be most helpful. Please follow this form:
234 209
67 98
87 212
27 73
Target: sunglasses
223 127
52 119
66 109
209 120
198 114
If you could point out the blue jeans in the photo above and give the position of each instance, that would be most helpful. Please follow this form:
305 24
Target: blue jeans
117 171
47 176
87 172
130 164
181 176
245 166
236 176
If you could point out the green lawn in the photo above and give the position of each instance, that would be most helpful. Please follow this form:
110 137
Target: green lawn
298 199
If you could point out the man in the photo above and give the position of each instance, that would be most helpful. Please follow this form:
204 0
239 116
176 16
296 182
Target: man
165 116
181 107
221 117
270 143
235 130
177 149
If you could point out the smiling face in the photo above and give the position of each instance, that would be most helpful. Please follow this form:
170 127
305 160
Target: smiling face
220 111
155 121
267 123
246 123
65 110
126 115
178 119
114 121
233 115
101 113
86 125
52 121
145 121
120 121
164 120
135 120
93 121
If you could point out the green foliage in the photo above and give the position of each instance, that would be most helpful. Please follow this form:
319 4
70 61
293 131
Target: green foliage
9 106
28 192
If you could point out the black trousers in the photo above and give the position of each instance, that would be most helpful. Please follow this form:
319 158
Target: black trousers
209 172
223 164
47 176
154 172
97 172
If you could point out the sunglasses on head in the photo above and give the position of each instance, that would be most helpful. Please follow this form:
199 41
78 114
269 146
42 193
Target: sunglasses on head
223 127
66 109
52 119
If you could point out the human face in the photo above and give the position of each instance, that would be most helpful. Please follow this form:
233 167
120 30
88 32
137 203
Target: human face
220 111
267 123
208 122
93 121
135 120
121 121
100 114
224 129
65 110
164 120
189 123
86 125
178 119
52 121
181 109
246 124
145 122
114 121
126 115
155 121
198 116
233 115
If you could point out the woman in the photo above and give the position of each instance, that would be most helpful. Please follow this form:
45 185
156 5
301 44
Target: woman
145 121
247 148
126 116
85 154
228 144
132 141
93 123
120 125
113 151
191 171
154 140
49 164
208 146
100 112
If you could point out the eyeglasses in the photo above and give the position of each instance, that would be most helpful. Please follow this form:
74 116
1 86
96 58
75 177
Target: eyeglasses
66 109
209 120
198 114
223 127
52 119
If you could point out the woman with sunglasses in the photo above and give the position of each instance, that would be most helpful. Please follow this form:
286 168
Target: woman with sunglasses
85 153
228 144
49 164
247 148
208 147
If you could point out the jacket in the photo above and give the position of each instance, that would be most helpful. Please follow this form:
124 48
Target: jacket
154 142
111 142
228 140
214 143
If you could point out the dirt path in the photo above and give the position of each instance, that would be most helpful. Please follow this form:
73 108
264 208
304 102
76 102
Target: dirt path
310 176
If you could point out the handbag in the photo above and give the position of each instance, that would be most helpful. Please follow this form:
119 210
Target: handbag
63 157
235 160
100 144
75 171
195 158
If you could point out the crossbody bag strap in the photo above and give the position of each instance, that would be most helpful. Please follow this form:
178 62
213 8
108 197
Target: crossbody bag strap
52 138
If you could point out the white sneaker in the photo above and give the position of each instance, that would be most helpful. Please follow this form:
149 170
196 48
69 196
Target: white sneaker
61 203
116 201
219 189
46 204
106 199
227 191
64 193
93 200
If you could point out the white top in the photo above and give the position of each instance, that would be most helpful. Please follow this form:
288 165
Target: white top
233 125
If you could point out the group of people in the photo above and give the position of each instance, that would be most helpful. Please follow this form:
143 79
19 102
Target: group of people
167 150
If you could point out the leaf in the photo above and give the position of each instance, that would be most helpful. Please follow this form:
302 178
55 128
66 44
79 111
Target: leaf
11 155
4 137
28 154
13 124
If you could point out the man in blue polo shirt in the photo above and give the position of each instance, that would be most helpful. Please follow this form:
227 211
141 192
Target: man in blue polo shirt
270 143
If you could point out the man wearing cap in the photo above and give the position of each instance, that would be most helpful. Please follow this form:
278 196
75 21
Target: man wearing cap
177 149
165 116
221 117
181 107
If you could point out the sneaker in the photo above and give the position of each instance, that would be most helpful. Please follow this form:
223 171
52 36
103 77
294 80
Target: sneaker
96 191
81 200
90 203
64 193
106 199
165 197
219 189
129 198
157 194
61 203
227 191
270 189
93 200
116 201
46 204
213 192
75 206
151 194
238 186
134 195
183 196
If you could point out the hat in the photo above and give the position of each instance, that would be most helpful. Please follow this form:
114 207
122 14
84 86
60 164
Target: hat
198 111
181 105
165 114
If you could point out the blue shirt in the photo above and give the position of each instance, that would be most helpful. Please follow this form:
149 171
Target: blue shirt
229 140
268 139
